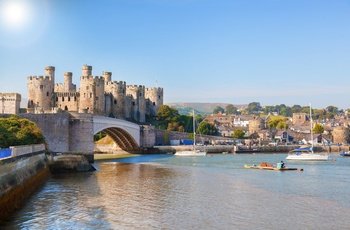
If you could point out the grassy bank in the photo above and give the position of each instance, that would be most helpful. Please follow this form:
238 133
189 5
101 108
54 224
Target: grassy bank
107 156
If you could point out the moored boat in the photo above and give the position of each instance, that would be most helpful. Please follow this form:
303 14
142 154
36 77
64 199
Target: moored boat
345 154
265 166
307 154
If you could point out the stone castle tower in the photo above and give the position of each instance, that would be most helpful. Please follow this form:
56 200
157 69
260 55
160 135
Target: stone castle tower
97 95
341 135
41 90
256 125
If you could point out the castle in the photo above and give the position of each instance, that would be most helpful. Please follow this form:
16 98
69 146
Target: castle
97 95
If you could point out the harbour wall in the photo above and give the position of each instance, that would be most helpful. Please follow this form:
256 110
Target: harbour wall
19 177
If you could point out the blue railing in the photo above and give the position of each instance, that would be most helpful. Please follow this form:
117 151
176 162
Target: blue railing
5 153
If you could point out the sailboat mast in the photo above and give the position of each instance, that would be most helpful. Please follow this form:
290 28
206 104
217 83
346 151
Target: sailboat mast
194 130
312 138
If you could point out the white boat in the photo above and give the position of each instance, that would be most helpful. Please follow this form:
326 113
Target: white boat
307 154
193 152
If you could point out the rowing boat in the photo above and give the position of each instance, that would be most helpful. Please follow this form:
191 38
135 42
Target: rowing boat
268 168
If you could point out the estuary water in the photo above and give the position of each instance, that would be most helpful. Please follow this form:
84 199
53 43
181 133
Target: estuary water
212 192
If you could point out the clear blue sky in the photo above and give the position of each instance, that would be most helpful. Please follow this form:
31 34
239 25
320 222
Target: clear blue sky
230 51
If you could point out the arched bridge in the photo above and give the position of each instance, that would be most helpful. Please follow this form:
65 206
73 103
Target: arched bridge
125 134
74 132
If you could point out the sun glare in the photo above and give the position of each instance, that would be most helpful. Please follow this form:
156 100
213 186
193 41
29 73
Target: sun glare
22 21
15 14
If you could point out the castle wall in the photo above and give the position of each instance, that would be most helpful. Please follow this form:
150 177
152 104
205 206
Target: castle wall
154 98
341 135
10 103
256 125
138 102
67 101
299 118
118 98
96 95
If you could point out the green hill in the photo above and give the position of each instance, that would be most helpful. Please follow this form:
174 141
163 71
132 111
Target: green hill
200 108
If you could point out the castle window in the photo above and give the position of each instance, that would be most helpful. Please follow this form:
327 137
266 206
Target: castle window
62 98
158 96
140 94
87 87
41 87
65 108
56 99
90 95
96 98
133 103
84 95
47 94
68 98
75 98
154 103
115 102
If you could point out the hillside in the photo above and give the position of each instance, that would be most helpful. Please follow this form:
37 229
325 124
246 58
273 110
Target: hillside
201 108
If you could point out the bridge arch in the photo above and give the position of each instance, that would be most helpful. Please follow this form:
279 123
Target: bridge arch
126 134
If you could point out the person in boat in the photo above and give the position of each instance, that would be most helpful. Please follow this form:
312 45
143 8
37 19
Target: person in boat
282 164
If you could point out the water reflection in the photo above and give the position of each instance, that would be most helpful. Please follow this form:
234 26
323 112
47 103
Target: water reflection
191 193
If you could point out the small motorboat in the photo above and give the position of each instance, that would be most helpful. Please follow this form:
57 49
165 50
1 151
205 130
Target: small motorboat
265 166
345 154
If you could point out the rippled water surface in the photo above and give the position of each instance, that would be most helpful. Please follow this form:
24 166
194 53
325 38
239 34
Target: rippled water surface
212 192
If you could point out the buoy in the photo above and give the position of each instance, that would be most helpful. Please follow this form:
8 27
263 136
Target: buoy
301 170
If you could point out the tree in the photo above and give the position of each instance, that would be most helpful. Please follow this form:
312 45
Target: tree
254 107
287 112
218 109
166 114
269 109
277 123
230 109
332 109
19 131
296 108
238 134
319 129
207 129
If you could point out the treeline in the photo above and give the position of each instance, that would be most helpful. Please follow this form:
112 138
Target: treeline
19 131
282 110
169 118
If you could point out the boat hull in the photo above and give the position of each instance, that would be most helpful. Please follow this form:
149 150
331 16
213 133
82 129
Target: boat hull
307 157
268 168
190 153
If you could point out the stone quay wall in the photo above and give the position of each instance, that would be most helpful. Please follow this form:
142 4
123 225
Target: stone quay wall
19 178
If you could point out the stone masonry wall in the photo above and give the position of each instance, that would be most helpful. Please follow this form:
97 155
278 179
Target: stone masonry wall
54 128
81 133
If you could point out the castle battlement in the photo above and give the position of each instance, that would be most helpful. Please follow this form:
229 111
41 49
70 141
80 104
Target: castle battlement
135 87
39 78
155 89
123 83
67 94
96 94
92 78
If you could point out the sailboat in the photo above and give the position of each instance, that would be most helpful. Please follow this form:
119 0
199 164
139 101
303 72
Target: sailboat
192 152
307 154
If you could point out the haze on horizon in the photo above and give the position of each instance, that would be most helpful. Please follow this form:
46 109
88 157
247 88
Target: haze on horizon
228 51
